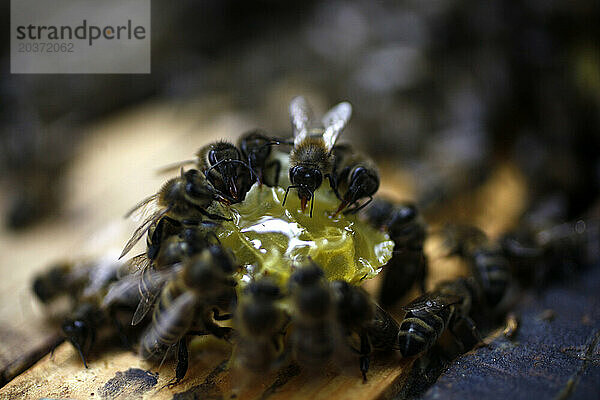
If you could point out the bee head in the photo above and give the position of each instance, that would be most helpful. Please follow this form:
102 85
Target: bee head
257 146
363 182
403 215
204 273
76 331
172 251
353 305
264 289
46 287
222 151
196 188
307 180
306 275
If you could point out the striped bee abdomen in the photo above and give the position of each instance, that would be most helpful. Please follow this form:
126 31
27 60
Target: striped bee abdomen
492 271
420 330
170 322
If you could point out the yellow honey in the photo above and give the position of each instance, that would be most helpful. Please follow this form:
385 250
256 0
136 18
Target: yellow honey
268 238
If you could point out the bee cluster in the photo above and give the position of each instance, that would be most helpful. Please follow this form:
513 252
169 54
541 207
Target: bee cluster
190 282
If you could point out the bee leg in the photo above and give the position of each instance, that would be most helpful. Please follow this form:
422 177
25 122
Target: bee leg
214 216
221 332
422 274
286 193
277 165
465 343
182 363
473 331
90 339
252 173
333 185
357 208
182 360
78 347
365 359
221 317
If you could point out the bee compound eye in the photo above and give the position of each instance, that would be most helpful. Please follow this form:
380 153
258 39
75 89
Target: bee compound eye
356 173
196 190
405 213
212 157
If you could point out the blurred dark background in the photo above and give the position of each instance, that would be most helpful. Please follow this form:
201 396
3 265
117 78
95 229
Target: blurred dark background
442 89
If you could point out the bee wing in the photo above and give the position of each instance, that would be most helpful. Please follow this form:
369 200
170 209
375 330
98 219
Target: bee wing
142 208
150 285
119 290
382 317
174 166
334 122
139 232
101 275
301 116
431 302
134 266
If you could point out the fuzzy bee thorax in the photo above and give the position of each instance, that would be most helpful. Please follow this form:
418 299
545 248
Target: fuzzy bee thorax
312 153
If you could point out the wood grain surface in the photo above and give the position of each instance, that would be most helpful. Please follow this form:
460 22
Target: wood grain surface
115 168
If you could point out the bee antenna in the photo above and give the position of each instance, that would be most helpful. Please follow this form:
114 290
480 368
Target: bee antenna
231 161
280 141
356 209
340 208
286 193
78 347
252 172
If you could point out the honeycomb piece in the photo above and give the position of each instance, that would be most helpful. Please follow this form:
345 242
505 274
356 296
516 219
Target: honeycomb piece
267 238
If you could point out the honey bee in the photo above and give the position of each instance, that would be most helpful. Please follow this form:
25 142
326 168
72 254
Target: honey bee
161 255
76 280
222 164
313 336
358 314
260 324
408 264
114 304
189 304
429 315
525 256
355 312
86 284
555 251
486 260
256 147
184 199
80 328
311 158
356 177
60 279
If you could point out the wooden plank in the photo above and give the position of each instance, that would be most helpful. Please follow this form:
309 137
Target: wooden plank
121 374
113 171
114 168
